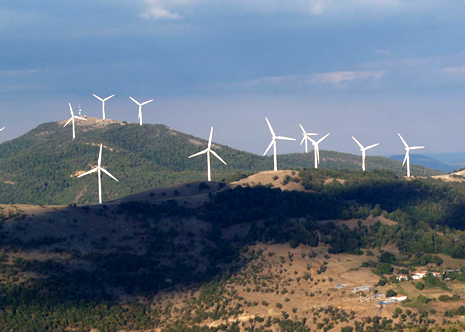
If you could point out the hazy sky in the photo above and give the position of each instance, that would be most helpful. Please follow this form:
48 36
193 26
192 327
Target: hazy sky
368 68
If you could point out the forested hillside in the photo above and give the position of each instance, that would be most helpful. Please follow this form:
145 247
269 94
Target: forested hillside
41 166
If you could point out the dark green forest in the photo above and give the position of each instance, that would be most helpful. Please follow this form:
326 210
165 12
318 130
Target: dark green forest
40 167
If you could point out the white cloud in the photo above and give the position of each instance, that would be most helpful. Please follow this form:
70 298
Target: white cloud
344 76
177 9
460 70
166 9
275 80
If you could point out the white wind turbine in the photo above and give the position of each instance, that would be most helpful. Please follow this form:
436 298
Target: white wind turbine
273 143
208 150
305 138
98 169
103 103
407 154
72 119
140 107
363 149
316 149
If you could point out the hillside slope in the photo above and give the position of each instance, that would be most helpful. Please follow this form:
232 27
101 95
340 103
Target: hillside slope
41 166
238 259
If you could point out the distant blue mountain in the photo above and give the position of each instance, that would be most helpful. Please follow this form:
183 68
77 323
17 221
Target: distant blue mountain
426 161
454 159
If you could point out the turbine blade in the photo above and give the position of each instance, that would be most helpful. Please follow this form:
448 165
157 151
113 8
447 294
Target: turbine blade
108 173
405 159
269 146
303 130
97 97
269 125
134 100
321 139
403 141
210 139
360 145
312 140
417 147
303 139
108 97
216 155
146 102
78 117
2 128
89 172
67 123
198 153
71 109
371 146
100 155
285 138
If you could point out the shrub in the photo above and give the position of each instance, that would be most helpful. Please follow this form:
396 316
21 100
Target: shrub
419 286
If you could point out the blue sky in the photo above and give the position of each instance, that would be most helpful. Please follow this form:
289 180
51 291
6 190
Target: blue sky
367 68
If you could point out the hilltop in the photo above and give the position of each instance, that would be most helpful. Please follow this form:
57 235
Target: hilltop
41 166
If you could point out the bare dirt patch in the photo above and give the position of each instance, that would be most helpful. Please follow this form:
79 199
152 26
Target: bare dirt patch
275 179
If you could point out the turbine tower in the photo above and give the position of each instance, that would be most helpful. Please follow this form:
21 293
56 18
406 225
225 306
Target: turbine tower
305 138
72 119
140 107
316 149
98 169
208 150
103 103
407 156
273 143
363 149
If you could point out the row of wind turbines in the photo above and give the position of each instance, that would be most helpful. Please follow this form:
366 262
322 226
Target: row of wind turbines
305 139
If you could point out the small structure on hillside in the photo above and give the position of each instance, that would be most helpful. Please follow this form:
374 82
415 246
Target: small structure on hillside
340 286
402 277
379 296
361 289
399 298
418 275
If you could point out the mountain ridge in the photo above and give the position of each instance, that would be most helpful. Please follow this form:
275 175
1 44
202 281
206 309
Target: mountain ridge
41 166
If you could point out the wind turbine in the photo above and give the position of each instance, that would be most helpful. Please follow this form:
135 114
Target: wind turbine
363 149
305 138
140 107
273 143
407 150
103 103
98 169
316 149
72 119
208 150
